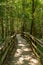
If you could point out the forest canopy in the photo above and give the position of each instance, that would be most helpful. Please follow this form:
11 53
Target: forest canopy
18 14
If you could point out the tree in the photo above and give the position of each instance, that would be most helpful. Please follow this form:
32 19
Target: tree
23 16
33 10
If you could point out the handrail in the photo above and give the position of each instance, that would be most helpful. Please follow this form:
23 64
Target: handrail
6 47
8 38
34 38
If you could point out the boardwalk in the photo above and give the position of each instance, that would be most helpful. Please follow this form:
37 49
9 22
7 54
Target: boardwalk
23 54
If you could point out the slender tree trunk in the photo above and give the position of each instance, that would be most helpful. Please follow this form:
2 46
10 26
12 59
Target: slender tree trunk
33 10
40 29
12 25
2 28
23 19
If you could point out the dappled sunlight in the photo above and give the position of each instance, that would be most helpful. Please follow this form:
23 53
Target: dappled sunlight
26 49
23 54
31 63
21 58
20 62
18 53
1 47
21 45
19 50
26 57
34 60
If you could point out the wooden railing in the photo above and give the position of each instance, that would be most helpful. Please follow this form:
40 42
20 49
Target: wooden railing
6 46
36 45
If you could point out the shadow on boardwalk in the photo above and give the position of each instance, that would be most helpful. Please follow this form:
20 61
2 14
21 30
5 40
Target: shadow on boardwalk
23 54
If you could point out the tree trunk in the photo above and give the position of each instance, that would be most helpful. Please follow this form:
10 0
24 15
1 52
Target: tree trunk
2 26
23 19
32 23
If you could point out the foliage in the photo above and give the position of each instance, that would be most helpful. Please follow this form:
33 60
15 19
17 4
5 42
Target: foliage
14 12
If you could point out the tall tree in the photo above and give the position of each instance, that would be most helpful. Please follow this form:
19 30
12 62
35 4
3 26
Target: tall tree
23 17
33 10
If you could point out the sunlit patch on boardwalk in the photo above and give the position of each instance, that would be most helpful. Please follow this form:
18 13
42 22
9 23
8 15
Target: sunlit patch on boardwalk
26 49
18 53
20 61
21 44
34 60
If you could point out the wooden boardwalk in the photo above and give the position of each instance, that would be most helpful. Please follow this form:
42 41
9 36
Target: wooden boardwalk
23 54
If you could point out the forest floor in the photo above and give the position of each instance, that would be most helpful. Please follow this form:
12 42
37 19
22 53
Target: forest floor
23 54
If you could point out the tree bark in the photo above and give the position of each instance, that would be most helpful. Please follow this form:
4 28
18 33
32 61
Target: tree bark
2 26
23 18
32 23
